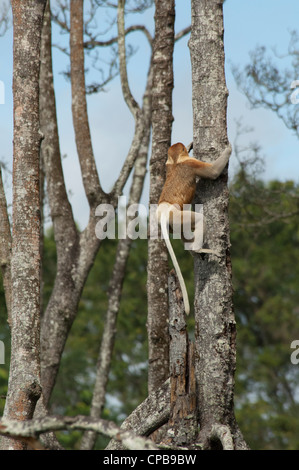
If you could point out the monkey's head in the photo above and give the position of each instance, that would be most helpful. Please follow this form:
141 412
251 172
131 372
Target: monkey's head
176 152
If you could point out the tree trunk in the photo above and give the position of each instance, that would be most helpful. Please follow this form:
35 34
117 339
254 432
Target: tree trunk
157 323
182 424
24 377
5 248
215 333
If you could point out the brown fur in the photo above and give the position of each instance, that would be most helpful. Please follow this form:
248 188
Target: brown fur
179 189
181 171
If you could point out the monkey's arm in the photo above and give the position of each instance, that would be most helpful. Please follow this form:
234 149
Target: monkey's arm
210 170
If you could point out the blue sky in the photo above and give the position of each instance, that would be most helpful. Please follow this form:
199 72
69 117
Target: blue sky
248 23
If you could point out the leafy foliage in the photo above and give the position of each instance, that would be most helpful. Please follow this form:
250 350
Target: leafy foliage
265 247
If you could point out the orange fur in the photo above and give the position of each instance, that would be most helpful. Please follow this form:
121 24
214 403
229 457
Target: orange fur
179 189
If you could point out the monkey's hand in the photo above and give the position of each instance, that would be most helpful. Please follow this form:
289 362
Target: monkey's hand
205 250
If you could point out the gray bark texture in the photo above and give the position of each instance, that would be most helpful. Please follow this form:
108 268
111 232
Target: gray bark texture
182 424
215 323
31 429
5 248
157 323
24 386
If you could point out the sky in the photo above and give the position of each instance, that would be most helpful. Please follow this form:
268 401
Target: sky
247 23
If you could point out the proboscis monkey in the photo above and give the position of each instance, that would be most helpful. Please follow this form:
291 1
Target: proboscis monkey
178 190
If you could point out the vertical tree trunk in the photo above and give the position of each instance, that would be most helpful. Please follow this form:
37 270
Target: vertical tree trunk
65 232
24 377
182 424
215 323
5 248
157 323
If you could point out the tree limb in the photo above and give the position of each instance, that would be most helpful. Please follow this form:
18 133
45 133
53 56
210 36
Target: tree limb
90 177
33 428
128 97
182 33
93 42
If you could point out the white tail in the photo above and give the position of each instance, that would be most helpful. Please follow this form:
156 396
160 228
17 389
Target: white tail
163 224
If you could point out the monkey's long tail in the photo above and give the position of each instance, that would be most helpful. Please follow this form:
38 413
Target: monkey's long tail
175 263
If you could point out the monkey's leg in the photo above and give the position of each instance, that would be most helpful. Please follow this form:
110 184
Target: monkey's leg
193 225
193 228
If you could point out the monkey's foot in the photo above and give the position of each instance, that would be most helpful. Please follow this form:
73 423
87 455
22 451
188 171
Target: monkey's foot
206 250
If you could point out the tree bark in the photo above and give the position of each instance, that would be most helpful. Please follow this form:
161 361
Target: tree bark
24 377
31 429
182 424
214 315
5 248
79 106
157 322
66 237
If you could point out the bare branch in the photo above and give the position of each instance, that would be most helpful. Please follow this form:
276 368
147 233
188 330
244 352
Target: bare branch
61 212
182 33
33 428
79 106
128 97
93 42
140 126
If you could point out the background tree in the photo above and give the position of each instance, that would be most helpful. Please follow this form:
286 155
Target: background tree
157 323
24 386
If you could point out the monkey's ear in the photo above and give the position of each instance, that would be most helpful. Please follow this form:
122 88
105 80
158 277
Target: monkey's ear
169 160
185 150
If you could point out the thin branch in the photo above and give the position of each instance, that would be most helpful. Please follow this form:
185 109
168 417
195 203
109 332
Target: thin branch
93 42
140 126
128 97
33 428
79 106
182 33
